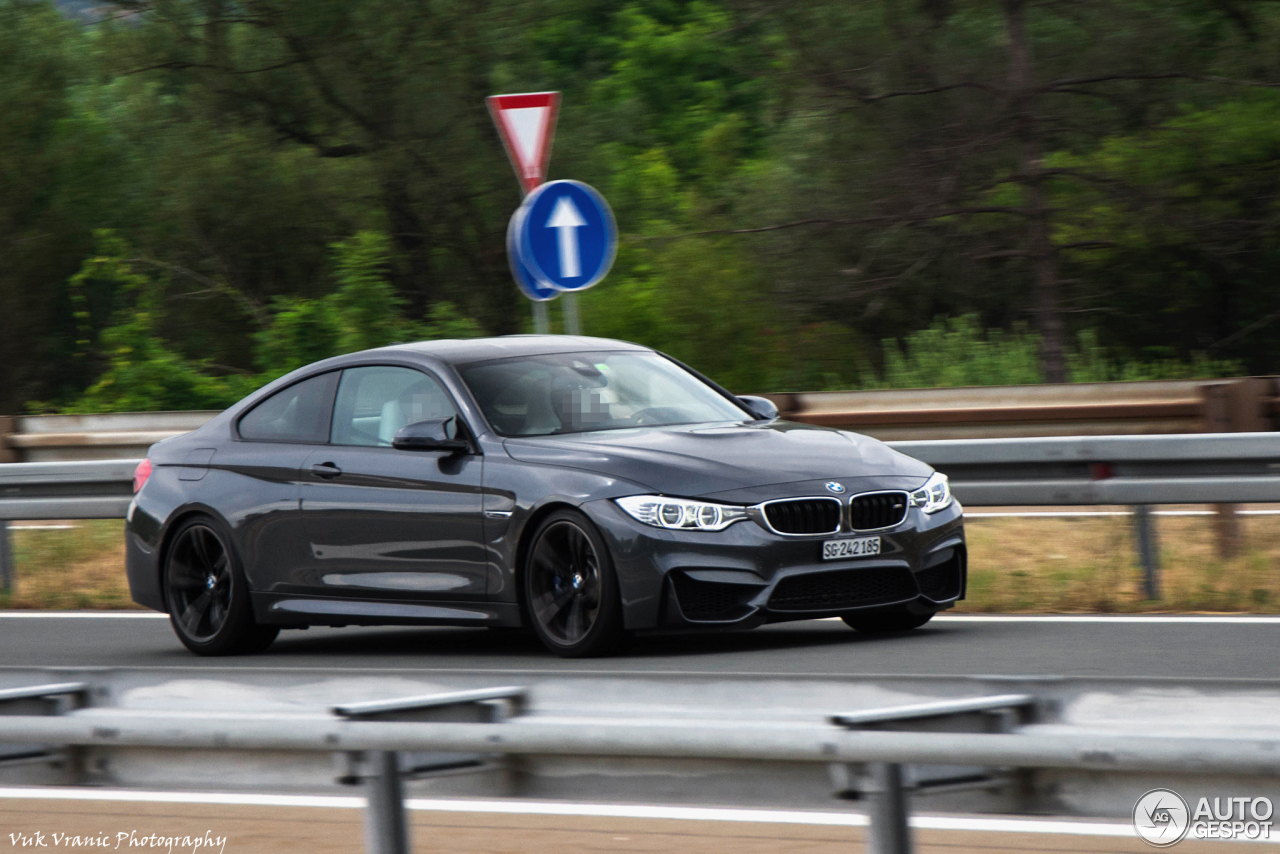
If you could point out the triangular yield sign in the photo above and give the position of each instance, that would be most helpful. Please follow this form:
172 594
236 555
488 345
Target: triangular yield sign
527 125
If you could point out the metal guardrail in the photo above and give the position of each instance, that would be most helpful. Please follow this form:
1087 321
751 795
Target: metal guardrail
875 756
100 489
1204 468
1073 409
61 438
91 489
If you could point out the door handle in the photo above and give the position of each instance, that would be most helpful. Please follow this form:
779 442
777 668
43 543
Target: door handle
328 471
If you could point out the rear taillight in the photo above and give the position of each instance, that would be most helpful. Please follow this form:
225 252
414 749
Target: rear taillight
140 474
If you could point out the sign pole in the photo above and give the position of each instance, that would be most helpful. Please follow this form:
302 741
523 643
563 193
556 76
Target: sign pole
541 323
572 322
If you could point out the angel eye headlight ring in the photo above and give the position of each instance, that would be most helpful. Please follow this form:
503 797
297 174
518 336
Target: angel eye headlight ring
935 495
681 513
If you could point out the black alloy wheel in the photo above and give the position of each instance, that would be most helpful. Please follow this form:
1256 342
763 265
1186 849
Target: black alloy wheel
886 622
570 588
207 596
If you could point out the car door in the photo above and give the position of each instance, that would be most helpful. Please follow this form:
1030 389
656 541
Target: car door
254 480
385 523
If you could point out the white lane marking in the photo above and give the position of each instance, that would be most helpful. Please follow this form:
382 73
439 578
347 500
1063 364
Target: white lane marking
1062 514
1054 514
229 798
955 618
766 816
1109 618
82 615
42 527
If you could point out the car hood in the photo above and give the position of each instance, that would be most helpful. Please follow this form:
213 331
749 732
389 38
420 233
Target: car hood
702 459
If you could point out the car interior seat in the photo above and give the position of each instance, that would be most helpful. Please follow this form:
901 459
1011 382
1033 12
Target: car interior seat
540 418
393 418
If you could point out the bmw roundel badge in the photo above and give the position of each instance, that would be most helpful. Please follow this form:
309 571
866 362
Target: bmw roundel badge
837 488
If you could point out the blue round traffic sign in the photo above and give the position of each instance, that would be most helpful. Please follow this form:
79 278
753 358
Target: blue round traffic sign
526 281
566 235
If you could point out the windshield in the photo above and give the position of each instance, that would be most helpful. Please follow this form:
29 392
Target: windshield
580 392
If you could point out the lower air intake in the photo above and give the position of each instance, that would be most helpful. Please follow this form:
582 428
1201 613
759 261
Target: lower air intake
941 582
711 600
848 588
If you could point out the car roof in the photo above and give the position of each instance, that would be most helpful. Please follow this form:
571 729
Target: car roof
464 350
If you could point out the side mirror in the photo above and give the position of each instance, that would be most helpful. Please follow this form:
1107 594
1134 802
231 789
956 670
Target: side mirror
434 434
761 407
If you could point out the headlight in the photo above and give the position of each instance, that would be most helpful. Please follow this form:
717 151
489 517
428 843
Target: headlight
935 495
681 514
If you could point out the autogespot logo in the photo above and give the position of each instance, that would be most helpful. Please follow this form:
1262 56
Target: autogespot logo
1161 817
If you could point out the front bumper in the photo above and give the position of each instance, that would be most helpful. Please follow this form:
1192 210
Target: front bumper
745 575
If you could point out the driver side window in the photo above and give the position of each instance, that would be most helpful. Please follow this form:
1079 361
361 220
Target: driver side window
375 402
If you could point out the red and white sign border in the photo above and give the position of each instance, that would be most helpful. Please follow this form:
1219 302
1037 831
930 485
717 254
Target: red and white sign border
533 173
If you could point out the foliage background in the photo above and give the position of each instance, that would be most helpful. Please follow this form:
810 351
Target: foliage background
199 195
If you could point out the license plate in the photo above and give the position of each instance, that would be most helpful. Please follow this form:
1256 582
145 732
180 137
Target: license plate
841 549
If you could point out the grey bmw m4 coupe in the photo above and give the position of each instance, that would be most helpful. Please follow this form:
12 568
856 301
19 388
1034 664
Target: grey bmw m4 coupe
580 487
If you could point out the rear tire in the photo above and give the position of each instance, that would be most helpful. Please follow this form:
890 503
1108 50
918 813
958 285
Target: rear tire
206 593
886 623
570 588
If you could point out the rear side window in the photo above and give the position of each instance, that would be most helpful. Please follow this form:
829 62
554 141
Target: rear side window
375 402
299 413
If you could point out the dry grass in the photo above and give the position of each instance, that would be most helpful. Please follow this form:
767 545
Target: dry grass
1028 565
1089 564
70 569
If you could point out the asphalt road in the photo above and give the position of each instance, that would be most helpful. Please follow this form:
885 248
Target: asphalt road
1168 647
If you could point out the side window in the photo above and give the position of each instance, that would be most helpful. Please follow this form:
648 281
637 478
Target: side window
375 402
299 413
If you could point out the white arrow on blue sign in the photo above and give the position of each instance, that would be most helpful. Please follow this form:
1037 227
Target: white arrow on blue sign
567 235
526 281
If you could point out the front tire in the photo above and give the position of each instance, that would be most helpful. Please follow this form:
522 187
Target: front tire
571 589
207 595
885 623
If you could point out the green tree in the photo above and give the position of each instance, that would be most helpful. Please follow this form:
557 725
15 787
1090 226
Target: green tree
54 188
1183 223
795 183
143 372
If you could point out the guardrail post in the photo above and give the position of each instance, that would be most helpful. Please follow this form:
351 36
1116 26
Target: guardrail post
1235 406
8 426
6 559
1148 550
1227 525
385 828
55 699
887 810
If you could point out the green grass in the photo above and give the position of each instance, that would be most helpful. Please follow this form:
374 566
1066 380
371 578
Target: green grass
1016 565
1089 565
70 569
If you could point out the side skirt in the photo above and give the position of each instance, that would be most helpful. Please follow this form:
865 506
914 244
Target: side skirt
294 611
